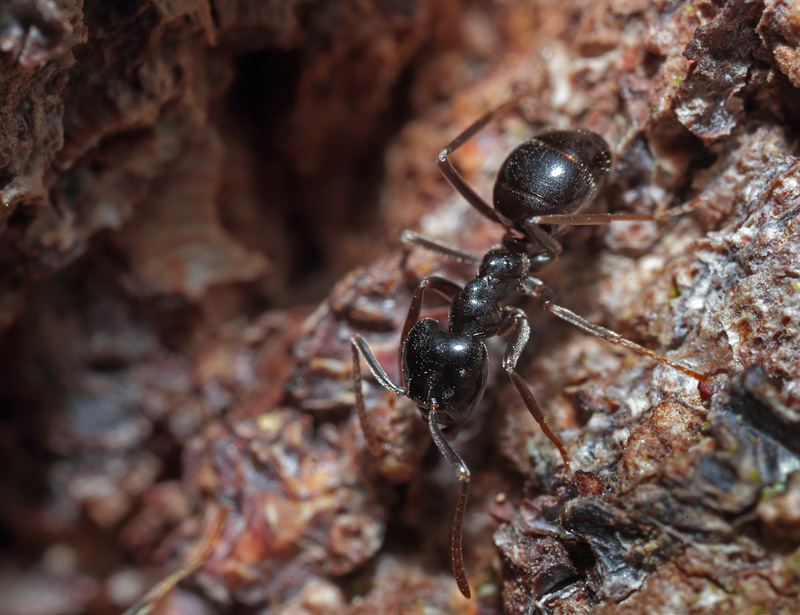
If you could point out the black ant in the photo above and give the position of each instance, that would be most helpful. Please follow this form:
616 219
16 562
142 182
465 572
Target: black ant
545 182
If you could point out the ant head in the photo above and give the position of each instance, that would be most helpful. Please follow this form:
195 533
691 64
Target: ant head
555 172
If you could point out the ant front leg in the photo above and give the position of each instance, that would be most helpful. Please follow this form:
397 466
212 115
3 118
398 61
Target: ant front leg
462 472
519 338
453 176
444 287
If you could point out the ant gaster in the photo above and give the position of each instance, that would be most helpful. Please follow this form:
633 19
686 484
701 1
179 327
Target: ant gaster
545 182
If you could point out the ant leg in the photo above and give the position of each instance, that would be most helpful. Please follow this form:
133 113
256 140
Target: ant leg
362 349
453 176
545 296
462 472
444 287
596 219
551 245
437 247
542 237
519 339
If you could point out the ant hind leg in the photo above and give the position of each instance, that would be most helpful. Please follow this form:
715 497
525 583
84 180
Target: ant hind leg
549 243
599 219
454 177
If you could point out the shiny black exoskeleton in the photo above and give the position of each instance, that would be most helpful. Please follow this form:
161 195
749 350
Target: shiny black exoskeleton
444 367
447 368
543 184
556 172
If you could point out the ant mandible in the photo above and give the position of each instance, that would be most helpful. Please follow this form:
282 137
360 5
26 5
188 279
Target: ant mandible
545 182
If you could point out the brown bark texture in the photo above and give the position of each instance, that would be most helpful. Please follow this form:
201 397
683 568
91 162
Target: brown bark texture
199 205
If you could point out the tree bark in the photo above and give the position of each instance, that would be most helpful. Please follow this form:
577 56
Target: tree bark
200 205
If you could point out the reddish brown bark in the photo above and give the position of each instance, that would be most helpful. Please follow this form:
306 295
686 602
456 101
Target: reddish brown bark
177 178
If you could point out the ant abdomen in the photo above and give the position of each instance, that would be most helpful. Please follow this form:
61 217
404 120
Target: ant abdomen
555 172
